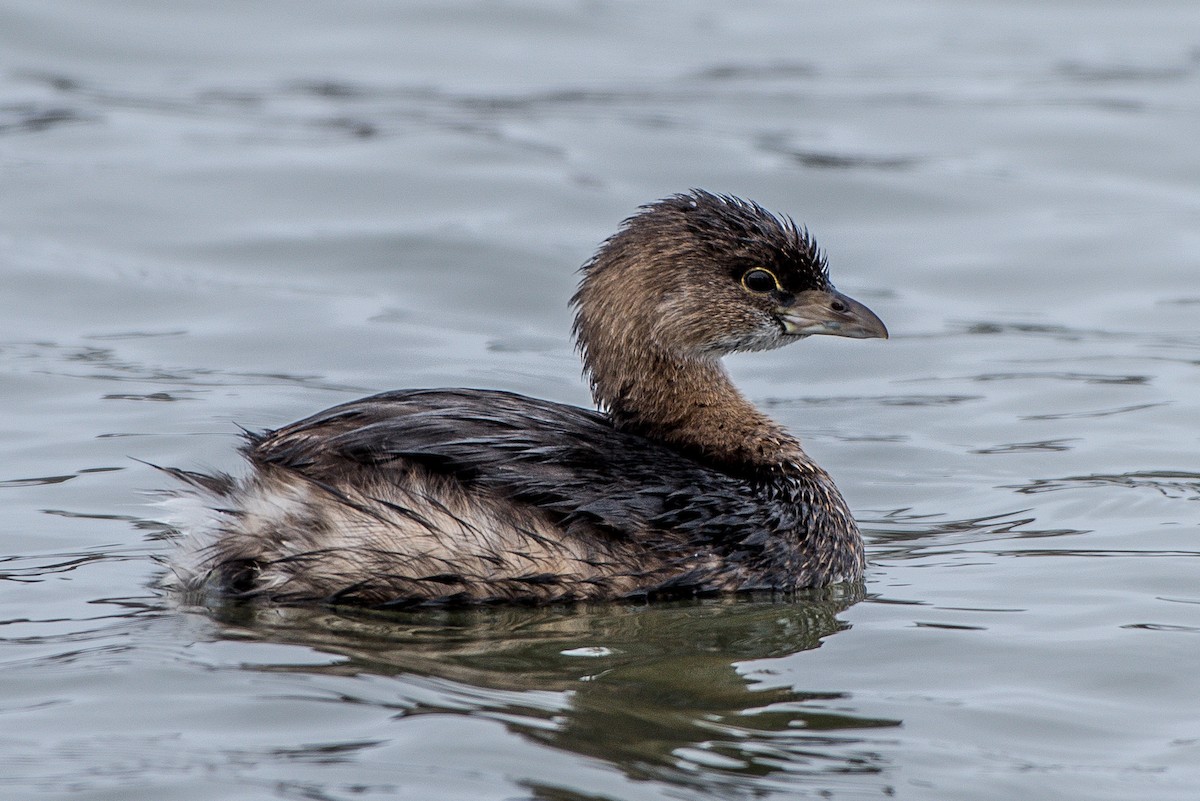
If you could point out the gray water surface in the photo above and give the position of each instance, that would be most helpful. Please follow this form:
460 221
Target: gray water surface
219 214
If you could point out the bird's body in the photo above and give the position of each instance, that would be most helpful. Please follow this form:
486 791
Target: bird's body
680 486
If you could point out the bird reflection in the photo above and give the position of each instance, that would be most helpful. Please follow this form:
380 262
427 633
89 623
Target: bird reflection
660 692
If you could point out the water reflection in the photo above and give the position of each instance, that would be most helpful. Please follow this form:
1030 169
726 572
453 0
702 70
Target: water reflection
658 691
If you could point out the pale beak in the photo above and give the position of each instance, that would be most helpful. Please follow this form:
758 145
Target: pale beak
831 312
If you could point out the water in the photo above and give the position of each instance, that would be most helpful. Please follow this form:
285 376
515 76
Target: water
218 213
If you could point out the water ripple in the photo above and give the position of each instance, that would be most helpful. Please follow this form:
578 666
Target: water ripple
840 401
1045 446
1168 483
1108 412
36 118
1087 378
106 364
901 534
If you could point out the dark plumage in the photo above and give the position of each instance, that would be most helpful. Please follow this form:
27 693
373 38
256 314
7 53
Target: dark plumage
477 496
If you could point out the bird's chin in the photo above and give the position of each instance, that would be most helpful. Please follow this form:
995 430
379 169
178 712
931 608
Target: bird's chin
761 339
770 340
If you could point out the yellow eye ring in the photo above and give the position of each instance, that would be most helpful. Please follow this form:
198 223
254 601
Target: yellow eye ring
760 281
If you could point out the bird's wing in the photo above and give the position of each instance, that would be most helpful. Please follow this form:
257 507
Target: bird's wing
569 462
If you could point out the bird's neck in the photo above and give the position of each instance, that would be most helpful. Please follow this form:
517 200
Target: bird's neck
690 404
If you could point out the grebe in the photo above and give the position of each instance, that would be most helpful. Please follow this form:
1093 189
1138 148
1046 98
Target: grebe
678 486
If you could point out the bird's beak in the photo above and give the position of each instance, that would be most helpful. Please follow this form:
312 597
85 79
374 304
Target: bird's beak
831 312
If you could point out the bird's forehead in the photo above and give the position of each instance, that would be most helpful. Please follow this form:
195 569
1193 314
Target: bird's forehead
797 264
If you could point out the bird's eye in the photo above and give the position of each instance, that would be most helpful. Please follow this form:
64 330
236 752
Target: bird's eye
838 306
759 280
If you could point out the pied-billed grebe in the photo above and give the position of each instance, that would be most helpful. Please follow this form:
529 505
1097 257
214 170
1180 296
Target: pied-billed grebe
679 485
